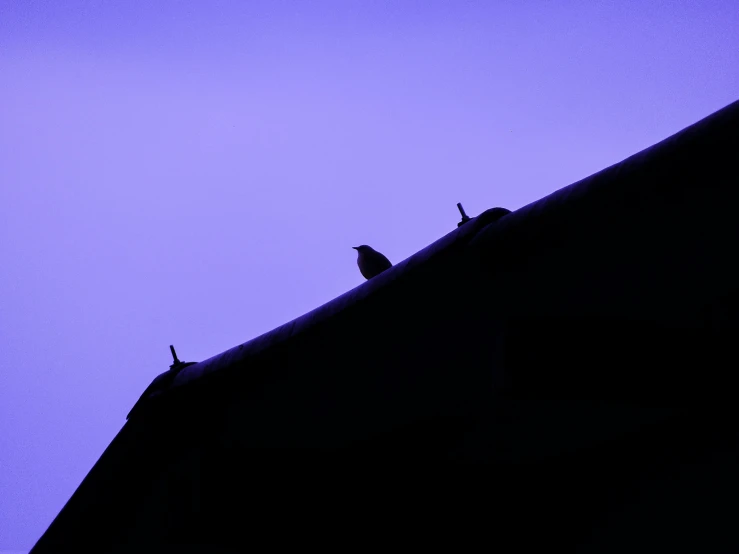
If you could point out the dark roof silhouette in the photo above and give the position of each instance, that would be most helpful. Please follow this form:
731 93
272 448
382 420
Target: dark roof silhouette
579 349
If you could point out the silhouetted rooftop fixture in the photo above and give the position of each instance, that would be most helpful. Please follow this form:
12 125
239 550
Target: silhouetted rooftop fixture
177 364
161 382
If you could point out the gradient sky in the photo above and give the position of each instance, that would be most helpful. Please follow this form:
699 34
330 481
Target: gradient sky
195 173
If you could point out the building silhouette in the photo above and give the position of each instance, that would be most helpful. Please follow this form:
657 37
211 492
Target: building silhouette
576 358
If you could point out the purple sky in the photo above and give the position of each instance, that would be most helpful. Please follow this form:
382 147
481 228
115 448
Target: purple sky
195 173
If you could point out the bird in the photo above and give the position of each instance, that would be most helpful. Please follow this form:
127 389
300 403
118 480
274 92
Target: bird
371 263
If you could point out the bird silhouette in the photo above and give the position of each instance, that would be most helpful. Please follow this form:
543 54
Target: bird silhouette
371 263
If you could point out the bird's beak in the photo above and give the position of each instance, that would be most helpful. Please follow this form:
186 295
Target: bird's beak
355 247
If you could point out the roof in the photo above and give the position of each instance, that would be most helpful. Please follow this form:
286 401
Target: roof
585 329
279 338
634 221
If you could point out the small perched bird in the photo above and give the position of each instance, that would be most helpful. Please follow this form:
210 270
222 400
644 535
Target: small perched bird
371 263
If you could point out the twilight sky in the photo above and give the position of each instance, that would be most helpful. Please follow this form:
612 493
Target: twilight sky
195 173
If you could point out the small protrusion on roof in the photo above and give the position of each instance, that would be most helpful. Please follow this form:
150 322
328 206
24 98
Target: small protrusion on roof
177 364
161 382
465 217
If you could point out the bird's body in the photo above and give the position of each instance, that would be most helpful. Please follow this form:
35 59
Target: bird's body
371 263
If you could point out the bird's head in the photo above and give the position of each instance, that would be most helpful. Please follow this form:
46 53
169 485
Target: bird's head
362 248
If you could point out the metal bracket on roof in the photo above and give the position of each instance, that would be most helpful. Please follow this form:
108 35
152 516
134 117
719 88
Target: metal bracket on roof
160 383
177 364
465 217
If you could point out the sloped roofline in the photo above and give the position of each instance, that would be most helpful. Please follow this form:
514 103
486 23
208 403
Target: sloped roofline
193 372
550 207
646 203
